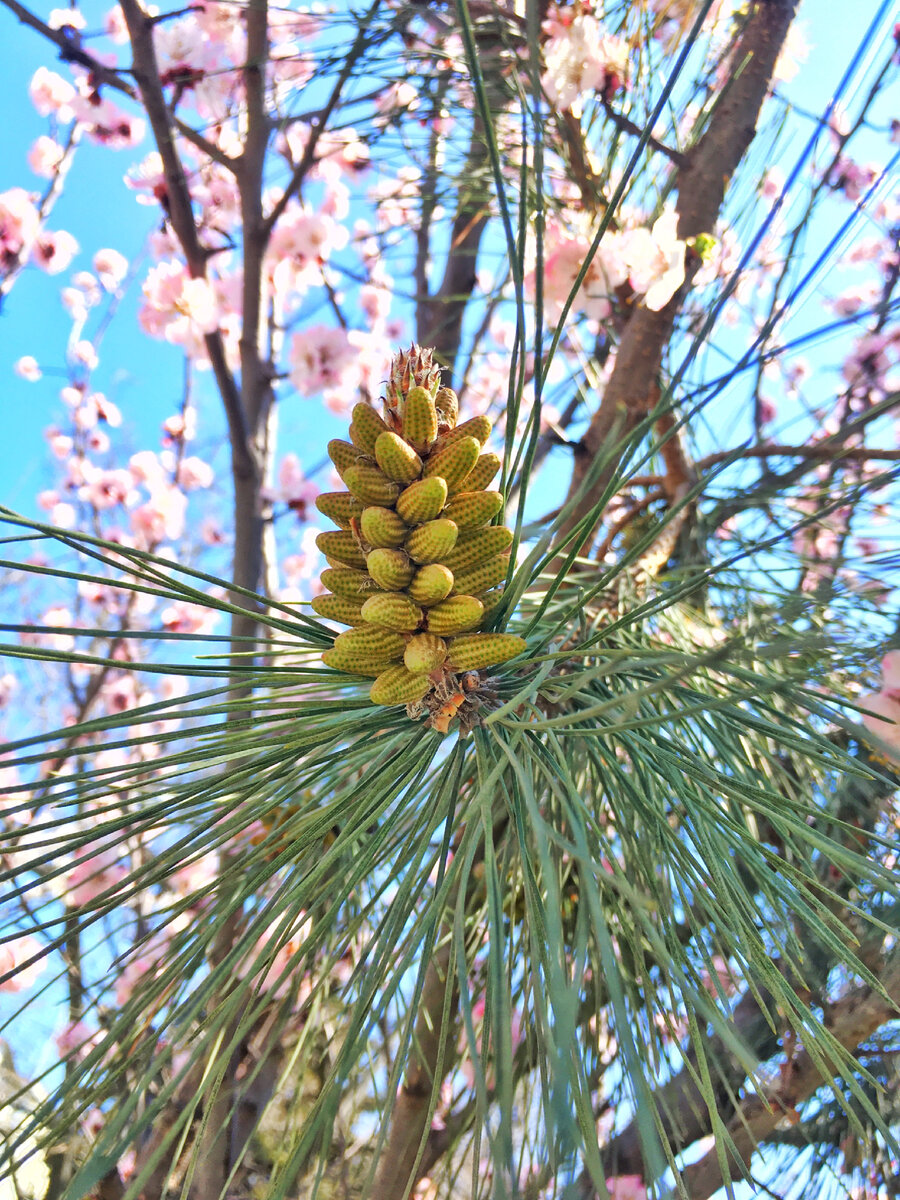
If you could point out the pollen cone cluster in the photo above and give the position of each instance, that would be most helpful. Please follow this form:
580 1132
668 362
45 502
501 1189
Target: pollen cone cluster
415 563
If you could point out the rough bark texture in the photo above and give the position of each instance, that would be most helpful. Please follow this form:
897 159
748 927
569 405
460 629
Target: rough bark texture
431 1058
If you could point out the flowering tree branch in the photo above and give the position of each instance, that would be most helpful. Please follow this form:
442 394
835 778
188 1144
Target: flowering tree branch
181 214
633 390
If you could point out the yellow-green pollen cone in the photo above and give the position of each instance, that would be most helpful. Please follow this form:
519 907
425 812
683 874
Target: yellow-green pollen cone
413 525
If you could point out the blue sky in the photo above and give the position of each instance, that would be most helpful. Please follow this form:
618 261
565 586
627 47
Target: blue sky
142 376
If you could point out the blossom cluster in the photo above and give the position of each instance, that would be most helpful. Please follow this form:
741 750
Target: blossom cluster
882 715
650 263
581 58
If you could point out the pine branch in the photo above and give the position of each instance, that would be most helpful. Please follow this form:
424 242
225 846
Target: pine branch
850 1021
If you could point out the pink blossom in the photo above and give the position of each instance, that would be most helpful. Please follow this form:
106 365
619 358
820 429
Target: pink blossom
264 967
64 516
851 178
122 692
87 284
767 411
565 251
885 724
75 1039
194 473
19 224
287 23
339 148
93 875
85 417
885 704
47 499
106 123
375 301
581 58
398 199
288 70
852 299
106 489
794 52
195 876
336 201
74 302
655 260
320 357
111 268
293 487
15 804
98 594
212 533
677 17
373 355
221 25
54 251
133 972
872 249
62 18
27 368
107 412
8 686
183 51
626 1187
57 616
399 97
301 241
115 27
145 467
52 95
84 353
297 567
177 307
161 518
773 182
148 177
890 672
216 192
724 980
184 617
181 426
45 156
18 951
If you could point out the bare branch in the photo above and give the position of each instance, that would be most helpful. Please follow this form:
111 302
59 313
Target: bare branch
71 50
819 451
628 126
